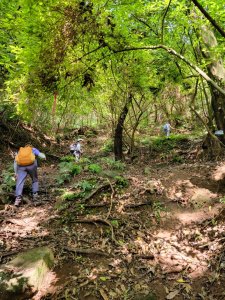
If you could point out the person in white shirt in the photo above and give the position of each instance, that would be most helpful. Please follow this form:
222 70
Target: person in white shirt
76 150
166 129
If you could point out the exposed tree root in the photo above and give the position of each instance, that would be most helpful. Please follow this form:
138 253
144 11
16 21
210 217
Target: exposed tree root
95 220
85 251
98 190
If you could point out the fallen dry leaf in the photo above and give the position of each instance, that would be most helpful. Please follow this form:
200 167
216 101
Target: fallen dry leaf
103 294
172 294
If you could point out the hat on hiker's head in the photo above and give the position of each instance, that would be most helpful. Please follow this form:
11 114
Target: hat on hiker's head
79 140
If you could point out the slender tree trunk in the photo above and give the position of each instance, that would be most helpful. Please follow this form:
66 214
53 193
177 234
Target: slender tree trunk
54 105
118 137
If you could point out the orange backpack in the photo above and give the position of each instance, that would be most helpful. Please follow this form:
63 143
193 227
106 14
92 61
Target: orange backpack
25 156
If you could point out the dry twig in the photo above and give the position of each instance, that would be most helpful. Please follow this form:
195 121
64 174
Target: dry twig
85 251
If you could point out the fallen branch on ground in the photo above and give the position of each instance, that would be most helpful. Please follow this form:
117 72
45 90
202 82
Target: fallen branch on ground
98 190
138 204
98 221
149 256
8 254
85 251
97 205
126 206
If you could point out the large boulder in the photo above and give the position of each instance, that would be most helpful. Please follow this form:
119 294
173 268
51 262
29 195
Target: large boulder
25 274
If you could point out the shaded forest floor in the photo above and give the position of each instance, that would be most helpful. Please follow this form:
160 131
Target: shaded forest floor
150 229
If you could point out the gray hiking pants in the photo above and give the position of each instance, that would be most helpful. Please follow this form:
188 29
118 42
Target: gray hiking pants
22 173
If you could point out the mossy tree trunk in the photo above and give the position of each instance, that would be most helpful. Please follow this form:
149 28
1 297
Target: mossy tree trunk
217 72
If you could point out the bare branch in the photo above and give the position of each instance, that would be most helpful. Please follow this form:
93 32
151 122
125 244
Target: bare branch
163 20
208 17
173 52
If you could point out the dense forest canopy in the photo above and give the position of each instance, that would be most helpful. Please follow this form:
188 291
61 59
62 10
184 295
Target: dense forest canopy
78 61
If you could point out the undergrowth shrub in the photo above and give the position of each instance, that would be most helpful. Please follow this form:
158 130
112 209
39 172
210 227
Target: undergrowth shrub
113 164
91 133
67 158
158 208
107 146
8 183
62 205
82 189
85 185
177 159
94 168
67 170
71 196
167 144
84 160
121 181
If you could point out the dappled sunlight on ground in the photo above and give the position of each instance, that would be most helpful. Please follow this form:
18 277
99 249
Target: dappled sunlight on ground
186 193
23 223
190 250
195 216
219 173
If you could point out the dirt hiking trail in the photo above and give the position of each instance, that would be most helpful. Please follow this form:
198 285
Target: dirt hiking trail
154 230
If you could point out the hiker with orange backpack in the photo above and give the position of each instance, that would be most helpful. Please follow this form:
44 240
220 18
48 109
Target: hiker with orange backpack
25 163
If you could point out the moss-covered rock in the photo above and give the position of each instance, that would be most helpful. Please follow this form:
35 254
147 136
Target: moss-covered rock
26 272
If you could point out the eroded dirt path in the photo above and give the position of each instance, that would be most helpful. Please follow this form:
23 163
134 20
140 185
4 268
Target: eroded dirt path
162 236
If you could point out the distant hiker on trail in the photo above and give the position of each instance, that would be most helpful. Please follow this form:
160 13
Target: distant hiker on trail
166 129
75 149
25 163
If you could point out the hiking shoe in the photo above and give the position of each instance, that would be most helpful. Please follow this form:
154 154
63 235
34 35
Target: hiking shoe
18 201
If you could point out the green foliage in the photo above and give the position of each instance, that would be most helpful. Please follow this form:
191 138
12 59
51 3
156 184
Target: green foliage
90 133
94 168
147 170
80 207
67 158
163 144
115 223
41 53
8 182
62 205
67 170
63 177
84 160
146 141
158 208
70 196
177 159
110 173
222 200
85 186
113 164
108 146
121 181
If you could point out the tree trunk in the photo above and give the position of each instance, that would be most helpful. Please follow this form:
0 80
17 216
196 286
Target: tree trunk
218 105
118 137
217 72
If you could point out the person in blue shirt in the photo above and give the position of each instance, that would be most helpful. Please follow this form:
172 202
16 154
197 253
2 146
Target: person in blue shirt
166 129
21 173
